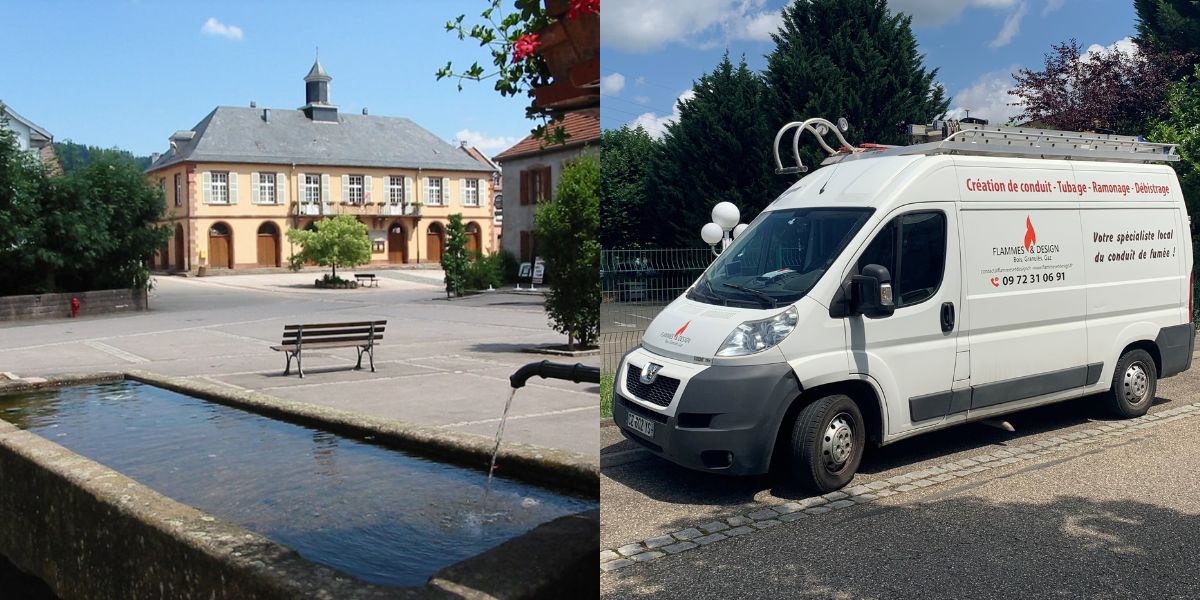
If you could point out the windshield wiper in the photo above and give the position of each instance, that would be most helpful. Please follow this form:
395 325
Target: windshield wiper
766 297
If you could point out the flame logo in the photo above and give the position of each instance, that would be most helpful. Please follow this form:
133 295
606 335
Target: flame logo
682 329
1030 234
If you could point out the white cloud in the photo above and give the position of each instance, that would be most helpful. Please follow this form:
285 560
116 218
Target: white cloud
642 99
486 144
655 125
214 27
933 13
1012 26
1125 45
639 26
1052 5
987 98
640 80
612 84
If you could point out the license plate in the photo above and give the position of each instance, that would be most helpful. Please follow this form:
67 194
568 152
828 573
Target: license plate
640 424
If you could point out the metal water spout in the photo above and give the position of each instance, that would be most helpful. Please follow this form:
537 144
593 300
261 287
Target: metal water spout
545 369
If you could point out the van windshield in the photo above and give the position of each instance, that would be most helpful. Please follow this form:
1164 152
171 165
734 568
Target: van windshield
779 258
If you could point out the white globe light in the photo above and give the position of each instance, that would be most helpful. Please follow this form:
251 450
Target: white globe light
739 229
726 215
711 233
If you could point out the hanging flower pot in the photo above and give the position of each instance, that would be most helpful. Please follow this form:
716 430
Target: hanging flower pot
570 45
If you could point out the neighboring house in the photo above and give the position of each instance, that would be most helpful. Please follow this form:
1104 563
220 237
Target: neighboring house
497 189
30 137
533 172
238 180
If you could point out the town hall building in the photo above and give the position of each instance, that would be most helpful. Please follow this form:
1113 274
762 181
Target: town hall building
238 180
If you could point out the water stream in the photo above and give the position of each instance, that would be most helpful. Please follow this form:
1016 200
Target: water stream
487 492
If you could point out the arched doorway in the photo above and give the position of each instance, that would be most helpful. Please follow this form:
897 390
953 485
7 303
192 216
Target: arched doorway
179 266
474 239
220 246
268 245
397 243
435 240
163 259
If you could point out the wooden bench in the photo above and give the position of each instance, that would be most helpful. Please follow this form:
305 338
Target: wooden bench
366 278
362 335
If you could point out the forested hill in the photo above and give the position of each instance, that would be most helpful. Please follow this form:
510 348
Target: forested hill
73 156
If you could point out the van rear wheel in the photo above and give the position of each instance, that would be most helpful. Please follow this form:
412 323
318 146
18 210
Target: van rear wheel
1134 384
827 443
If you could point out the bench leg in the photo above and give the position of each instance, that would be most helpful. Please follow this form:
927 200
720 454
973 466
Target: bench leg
288 370
300 364
371 355
358 366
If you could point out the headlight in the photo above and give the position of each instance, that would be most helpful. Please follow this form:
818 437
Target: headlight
756 336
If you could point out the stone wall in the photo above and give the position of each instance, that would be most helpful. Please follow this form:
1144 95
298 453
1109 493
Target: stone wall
58 306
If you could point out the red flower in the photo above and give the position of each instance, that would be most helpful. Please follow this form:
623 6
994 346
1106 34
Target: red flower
583 7
525 46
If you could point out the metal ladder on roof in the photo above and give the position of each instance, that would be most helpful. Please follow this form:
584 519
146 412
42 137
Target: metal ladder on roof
954 137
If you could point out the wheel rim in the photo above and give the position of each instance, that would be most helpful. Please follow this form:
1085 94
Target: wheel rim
1135 385
838 442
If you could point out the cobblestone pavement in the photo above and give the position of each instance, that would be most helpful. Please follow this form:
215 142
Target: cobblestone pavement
442 363
1120 492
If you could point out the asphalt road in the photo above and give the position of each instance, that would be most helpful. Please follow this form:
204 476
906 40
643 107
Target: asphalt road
442 363
1116 515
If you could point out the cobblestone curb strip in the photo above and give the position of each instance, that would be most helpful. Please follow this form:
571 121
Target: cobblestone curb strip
772 515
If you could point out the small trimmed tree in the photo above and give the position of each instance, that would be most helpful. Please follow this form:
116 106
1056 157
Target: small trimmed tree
454 259
568 234
338 242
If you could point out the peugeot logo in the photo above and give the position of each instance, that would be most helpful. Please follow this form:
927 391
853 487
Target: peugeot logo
650 373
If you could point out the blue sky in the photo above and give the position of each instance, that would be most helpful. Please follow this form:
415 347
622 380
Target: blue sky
652 52
130 73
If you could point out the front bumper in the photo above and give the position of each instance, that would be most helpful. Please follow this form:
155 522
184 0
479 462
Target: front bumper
722 419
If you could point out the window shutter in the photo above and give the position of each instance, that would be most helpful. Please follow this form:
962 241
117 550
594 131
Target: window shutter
345 188
233 187
324 188
547 189
366 189
446 191
281 188
255 188
408 190
206 185
462 191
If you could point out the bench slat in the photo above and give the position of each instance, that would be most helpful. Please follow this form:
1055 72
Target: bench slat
308 326
326 332
349 340
317 345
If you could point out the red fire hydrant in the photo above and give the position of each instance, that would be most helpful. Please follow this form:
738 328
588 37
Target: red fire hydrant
74 307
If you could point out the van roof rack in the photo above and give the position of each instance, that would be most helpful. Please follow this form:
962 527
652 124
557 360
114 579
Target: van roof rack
956 137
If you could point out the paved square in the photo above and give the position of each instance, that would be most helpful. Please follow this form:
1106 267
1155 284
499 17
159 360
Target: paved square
442 363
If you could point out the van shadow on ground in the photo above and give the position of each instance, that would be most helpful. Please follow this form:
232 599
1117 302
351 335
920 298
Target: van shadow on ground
965 547
666 482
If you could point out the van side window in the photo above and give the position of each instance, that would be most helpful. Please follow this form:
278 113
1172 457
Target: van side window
919 240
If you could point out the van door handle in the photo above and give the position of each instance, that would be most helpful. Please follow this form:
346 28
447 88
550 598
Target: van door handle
947 316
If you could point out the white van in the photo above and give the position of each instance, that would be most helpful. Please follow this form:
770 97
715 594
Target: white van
903 290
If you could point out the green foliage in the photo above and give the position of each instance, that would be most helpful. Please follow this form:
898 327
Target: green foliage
1182 127
72 156
338 242
853 59
719 150
510 267
94 228
568 234
485 271
1168 25
607 382
625 202
454 258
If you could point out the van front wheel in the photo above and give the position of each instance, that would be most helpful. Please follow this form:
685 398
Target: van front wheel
827 443
1134 384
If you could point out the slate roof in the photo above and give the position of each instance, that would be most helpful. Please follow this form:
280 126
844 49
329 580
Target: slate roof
583 128
317 72
240 135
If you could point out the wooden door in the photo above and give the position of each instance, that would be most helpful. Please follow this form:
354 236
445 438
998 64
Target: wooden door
219 255
473 246
267 257
397 245
178 246
433 245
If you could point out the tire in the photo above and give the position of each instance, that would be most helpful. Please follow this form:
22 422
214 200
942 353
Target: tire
827 443
1134 384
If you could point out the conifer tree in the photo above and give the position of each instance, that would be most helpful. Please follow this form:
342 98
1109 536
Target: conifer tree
624 201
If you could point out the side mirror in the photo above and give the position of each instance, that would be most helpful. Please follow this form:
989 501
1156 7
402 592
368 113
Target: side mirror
871 292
